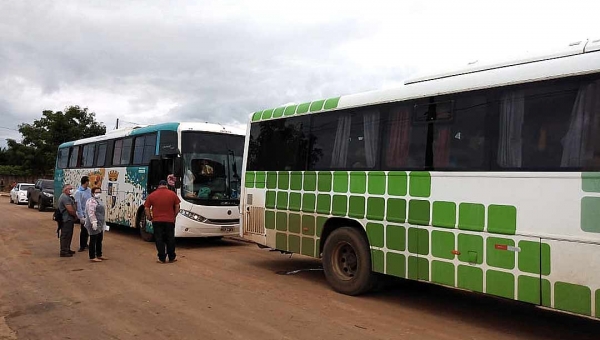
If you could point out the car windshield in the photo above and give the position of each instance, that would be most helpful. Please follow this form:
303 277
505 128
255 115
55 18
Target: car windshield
211 165
26 186
47 185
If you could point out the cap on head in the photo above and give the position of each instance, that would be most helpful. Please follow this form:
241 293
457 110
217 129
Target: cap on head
162 182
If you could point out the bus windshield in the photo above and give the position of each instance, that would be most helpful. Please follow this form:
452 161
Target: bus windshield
211 167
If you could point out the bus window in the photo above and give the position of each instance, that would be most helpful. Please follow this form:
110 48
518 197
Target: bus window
459 144
279 144
149 148
87 158
126 152
74 157
144 148
138 150
63 158
168 143
101 154
117 152
349 139
405 143
542 126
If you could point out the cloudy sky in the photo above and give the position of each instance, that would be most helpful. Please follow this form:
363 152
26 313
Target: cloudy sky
218 61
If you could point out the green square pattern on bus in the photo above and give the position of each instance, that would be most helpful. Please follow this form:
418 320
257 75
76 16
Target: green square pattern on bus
405 232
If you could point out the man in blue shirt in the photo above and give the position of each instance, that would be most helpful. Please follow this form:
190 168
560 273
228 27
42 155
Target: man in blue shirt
82 194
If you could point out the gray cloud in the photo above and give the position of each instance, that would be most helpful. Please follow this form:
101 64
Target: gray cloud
153 61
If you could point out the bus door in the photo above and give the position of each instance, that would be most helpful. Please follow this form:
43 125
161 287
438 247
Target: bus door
158 170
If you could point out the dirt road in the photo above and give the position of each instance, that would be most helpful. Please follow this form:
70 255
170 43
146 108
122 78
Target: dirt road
228 290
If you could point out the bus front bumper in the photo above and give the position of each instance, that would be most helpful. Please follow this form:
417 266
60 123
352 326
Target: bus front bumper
185 227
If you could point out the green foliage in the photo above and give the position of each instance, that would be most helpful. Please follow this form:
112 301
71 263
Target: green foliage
14 170
36 154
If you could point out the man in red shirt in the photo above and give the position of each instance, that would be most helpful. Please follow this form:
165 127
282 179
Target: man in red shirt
162 207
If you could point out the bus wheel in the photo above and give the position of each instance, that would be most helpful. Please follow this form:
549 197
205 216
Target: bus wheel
347 262
141 225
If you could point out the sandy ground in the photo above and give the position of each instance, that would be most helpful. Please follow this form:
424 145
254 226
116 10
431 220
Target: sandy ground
228 290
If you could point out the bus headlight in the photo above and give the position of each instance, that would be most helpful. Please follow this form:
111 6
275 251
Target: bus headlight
193 216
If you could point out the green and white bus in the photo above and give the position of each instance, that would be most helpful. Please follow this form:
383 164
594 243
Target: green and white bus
128 164
486 179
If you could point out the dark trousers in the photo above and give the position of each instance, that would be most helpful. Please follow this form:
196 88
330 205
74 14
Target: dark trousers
83 237
66 235
96 245
164 235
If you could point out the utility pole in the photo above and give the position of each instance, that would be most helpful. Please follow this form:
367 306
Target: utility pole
117 124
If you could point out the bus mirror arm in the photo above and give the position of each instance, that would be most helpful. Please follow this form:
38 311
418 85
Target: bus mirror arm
177 166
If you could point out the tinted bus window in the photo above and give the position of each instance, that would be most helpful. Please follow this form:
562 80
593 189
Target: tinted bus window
126 153
345 140
63 158
74 157
138 150
117 152
279 144
149 148
101 154
87 158
549 125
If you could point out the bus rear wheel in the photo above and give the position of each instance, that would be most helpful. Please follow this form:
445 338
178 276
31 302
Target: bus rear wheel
141 225
347 262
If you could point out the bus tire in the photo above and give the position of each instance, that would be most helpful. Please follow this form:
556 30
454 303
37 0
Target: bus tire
347 262
141 225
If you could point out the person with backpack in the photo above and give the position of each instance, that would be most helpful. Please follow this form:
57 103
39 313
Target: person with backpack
66 206
57 217
95 223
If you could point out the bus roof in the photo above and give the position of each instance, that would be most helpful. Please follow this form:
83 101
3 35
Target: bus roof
578 59
173 126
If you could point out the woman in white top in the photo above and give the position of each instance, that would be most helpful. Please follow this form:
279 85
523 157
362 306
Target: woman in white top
95 223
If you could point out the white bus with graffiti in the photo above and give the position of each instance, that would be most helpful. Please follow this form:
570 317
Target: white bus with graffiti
486 179
128 164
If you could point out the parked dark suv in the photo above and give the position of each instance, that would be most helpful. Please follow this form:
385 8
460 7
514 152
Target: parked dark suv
41 194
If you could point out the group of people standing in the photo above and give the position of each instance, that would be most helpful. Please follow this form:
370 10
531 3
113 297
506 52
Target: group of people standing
85 205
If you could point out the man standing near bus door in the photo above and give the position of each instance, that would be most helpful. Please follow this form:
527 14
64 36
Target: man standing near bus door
162 207
66 205
81 196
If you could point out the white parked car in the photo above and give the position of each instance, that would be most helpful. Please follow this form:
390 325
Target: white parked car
18 194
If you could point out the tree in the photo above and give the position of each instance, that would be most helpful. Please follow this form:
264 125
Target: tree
37 151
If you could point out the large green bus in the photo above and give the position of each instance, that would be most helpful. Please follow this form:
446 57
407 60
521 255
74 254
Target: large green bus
485 179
